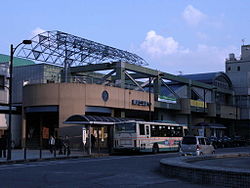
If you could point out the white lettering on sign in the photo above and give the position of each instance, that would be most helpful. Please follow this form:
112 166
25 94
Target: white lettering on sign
84 135
140 103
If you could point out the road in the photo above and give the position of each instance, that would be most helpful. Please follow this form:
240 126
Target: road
112 171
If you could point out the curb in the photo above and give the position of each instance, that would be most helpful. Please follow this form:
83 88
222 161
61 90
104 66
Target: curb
51 159
183 168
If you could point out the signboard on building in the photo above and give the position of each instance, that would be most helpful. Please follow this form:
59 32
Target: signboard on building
45 133
140 103
166 99
197 103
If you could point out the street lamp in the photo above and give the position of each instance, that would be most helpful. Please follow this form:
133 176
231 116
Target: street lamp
149 100
12 51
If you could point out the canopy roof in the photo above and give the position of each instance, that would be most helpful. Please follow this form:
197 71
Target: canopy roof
90 119
210 78
210 125
56 47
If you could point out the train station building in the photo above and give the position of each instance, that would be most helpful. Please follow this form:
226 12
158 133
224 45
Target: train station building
82 77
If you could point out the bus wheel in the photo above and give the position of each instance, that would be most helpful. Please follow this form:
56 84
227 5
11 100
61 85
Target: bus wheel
155 148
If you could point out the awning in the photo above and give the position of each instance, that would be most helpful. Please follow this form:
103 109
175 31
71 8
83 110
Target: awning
41 109
90 120
217 126
210 125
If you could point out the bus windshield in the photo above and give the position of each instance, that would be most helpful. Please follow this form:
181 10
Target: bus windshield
126 127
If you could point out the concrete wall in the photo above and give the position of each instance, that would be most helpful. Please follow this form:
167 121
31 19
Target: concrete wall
185 106
4 96
211 109
73 97
228 112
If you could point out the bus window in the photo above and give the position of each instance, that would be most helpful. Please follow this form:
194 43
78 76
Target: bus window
154 130
126 127
142 129
147 130
158 131
176 131
185 132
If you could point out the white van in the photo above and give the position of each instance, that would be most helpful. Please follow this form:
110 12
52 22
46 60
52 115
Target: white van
195 146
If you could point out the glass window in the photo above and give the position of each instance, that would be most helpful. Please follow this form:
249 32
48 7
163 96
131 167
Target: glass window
154 131
147 130
176 131
50 81
126 127
166 131
189 140
202 141
142 129
2 82
207 142
185 131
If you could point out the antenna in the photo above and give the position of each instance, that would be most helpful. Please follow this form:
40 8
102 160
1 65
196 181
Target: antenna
243 41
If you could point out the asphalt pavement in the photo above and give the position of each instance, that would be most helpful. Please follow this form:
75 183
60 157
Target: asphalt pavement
83 171
111 171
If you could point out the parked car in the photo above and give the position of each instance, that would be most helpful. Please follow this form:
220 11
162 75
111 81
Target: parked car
214 141
225 141
238 141
195 146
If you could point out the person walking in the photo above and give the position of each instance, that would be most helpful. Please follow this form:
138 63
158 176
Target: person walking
93 140
3 146
52 143
60 145
66 143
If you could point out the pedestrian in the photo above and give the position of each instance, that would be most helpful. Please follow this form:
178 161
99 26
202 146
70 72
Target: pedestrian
3 146
60 145
52 143
93 140
66 143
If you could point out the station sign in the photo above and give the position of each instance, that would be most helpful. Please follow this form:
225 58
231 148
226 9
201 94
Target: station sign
84 135
140 103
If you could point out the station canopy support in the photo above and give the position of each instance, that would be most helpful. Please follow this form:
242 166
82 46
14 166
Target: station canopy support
66 50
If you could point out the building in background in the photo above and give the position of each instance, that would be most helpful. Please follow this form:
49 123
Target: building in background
238 70
4 99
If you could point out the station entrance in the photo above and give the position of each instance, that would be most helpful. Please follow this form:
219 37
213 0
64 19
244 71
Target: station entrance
39 126
101 138
99 131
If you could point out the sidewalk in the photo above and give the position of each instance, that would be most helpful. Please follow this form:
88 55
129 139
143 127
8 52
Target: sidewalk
34 155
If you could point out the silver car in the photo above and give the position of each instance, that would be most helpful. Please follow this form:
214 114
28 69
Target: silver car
195 146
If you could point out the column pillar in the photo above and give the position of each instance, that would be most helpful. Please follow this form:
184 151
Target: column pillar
120 75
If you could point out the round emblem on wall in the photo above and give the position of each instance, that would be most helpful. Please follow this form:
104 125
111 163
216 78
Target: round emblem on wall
105 95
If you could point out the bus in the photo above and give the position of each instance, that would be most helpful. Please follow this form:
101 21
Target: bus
145 136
